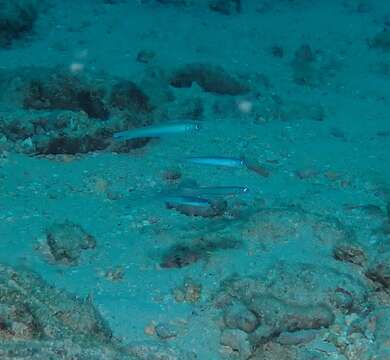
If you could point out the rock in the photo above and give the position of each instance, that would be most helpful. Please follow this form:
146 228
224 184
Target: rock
166 331
17 19
18 322
146 56
172 175
239 317
115 274
262 335
306 284
180 256
290 298
379 269
303 284
350 252
385 228
296 337
66 241
284 224
175 2
381 41
126 95
274 350
277 51
379 320
283 316
311 67
189 291
226 7
39 322
238 341
210 78
148 350
63 90
304 71
54 111
342 299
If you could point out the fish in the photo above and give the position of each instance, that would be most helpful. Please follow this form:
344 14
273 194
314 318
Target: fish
157 130
215 190
253 165
195 206
184 200
217 161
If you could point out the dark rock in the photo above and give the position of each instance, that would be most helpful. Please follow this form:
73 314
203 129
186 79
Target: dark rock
17 19
18 322
54 111
350 252
280 224
145 56
296 337
173 2
166 331
342 299
238 341
190 291
381 41
379 269
151 350
172 175
126 95
379 320
61 90
305 54
291 298
283 316
226 7
385 228
239 317
39 322
180 256
66 242
262 335
210 78
277 51
304 70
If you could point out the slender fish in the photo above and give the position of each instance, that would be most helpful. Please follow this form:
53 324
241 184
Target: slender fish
215 190
217 161
157 130
255 166
195 206
184 200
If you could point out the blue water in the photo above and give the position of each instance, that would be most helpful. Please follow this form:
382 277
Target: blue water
274 243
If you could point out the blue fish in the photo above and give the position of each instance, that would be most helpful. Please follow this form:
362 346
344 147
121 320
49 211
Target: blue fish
217 161
157 131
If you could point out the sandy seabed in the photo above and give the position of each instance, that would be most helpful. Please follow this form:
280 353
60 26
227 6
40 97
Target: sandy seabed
95 265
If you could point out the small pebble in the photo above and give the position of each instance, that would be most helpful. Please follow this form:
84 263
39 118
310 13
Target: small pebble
166 331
